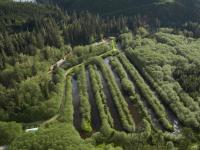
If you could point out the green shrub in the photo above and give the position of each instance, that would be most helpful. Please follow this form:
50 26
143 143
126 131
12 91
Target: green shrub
9 131
127 86
85 109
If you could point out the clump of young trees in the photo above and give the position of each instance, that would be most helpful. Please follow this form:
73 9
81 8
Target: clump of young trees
66 110
81 54
9 132
127 85
188 78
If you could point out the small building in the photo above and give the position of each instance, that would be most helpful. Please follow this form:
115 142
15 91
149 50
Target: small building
111 38
60 62
33 1
31 130
5 147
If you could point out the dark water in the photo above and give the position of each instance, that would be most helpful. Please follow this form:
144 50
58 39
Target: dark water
96 121
110 103
76 104
149 108
171 116
134 110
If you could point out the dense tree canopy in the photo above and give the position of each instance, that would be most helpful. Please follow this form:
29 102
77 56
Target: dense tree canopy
9 131
58 137
133 66
169 11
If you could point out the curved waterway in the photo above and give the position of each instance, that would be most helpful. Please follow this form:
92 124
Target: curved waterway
76 105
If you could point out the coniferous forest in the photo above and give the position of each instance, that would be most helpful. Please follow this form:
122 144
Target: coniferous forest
100 75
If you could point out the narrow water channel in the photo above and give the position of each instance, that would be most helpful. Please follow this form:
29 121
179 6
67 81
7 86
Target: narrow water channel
111 105
134 110
171 116
96 121
76 104
149 108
